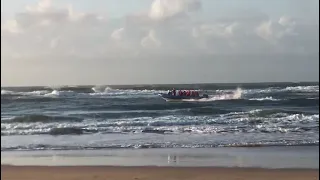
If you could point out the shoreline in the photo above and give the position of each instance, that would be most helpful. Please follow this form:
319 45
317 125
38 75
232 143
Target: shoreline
259 157
152 172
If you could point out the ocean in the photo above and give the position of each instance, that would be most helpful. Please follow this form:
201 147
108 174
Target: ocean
136 117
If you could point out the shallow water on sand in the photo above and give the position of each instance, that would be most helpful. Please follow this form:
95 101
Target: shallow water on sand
264 157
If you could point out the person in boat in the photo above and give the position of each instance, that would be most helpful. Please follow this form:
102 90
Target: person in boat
180 93
188 93
174 92
169 93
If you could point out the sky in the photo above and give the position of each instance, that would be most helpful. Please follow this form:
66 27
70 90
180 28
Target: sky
101 42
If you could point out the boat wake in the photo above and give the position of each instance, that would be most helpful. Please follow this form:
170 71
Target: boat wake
234 95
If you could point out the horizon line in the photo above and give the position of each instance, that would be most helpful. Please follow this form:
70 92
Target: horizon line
162 84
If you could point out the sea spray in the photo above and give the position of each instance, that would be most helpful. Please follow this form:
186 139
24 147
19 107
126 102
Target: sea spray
227 96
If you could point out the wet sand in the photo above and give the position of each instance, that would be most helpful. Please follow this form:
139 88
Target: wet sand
152 173
265 157
283 163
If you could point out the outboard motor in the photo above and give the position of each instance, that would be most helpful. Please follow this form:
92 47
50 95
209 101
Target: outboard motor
205 96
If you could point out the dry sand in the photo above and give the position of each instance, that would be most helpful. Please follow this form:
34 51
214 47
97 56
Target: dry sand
152 173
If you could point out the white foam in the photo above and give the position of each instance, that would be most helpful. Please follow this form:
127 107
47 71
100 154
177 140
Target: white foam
234 95
101 89
287 89
31 93
107 91
57 93
265 99
4 92
227 123
303 88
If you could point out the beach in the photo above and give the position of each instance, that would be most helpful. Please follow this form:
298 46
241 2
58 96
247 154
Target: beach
195 164
152 173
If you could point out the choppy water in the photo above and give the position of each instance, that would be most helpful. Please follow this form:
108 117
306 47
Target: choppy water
97 117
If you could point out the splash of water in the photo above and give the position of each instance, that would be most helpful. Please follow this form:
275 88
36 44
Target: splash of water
101 89
235 95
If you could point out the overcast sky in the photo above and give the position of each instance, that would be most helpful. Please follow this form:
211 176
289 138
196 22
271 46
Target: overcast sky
76 42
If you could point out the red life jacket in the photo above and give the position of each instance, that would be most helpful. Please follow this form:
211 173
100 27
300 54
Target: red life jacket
188 93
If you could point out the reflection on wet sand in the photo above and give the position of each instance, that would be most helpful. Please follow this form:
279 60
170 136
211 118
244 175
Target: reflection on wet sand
173 159
273 157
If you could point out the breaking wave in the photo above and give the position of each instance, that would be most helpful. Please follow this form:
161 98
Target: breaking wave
262 121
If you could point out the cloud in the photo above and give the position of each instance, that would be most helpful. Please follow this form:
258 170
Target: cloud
150 40
166 28
43 6
10 26
118 34
163 9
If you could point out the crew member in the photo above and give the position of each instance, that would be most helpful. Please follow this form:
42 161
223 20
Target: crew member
192 93
174 92
188 93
